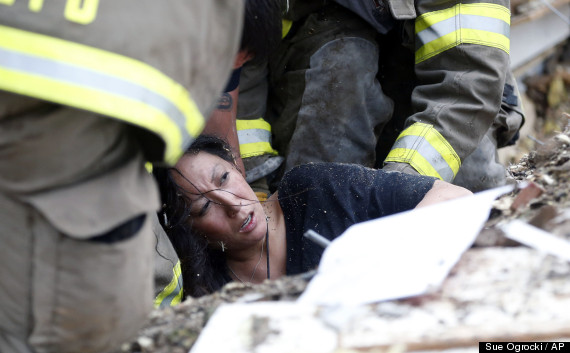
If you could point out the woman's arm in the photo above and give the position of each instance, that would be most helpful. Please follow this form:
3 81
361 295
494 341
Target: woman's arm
443 191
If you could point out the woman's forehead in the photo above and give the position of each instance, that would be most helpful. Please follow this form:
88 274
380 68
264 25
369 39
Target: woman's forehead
198 170
199 162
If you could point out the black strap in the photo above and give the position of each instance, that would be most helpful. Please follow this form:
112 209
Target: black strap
509 95
234 81
267 245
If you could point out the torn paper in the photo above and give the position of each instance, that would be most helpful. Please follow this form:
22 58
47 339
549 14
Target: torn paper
399 256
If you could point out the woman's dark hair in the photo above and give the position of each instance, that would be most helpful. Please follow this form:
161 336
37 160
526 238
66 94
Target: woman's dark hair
204 270
261 28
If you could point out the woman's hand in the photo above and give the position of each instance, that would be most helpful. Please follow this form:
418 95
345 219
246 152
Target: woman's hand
443 191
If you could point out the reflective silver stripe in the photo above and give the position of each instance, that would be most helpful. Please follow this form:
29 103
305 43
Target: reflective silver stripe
253 136
452 24
426 150
95 80
167 301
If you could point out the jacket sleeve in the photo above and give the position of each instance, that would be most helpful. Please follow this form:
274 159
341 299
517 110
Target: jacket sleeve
461 60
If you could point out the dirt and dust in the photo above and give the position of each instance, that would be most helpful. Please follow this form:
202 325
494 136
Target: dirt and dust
175 329
544 203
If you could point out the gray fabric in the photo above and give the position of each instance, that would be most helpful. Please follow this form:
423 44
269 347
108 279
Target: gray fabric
195 46
460 98
264 165
56 145
325 102
66 295
67 176
402 9
252 101
12 344
165 259
342 97
69 292
252 104
481 170
510 118
99 204
16 272
83 172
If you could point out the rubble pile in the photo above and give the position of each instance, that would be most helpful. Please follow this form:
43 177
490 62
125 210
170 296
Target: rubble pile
523 10
546 202
175 329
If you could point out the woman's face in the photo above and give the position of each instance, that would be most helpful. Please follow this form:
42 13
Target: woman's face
224 208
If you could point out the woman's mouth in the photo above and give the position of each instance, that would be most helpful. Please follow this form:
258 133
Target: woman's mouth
248 224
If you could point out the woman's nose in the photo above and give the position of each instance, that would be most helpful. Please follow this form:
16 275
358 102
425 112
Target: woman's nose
233 208
231 204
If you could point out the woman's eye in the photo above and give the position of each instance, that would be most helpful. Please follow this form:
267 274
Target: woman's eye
224 177
204 209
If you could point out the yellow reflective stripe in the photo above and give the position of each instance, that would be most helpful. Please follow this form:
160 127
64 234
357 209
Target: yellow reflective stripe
423 147
482 24
173 290
258 131
254 137
467 36
85 98
490 39
100 62
437 141
149 167
179 290
404 155
243 124
428 19
482 9
285 27
35 5
256 149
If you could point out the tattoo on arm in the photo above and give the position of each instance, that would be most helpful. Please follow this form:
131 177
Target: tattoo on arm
225 102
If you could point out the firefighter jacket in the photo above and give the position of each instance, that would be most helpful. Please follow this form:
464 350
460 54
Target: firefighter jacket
461 63
141 62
